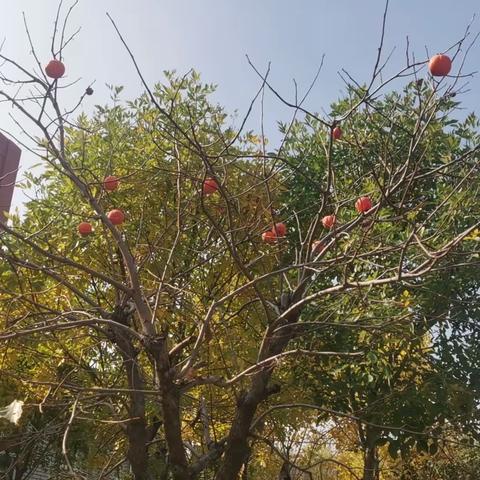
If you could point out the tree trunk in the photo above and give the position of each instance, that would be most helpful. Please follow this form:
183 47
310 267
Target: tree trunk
237 448
136 430
173 432
170 402
245 468
137 453
285 472
370 461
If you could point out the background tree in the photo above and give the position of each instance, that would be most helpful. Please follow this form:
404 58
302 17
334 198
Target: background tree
400 382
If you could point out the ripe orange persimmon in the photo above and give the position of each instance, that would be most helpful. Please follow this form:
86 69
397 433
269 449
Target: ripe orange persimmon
279 229
440 65
116 216
363 204
55 69
329 221
269 236
210 186
111 183
84 229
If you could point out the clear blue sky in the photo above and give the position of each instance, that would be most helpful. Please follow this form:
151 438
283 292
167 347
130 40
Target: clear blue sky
213 37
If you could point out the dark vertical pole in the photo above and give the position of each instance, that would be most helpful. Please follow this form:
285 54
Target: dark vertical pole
9 161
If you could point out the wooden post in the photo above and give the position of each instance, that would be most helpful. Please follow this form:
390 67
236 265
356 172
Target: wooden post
9 161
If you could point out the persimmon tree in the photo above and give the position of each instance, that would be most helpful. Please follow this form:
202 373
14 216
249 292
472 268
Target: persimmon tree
174 332
399 390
